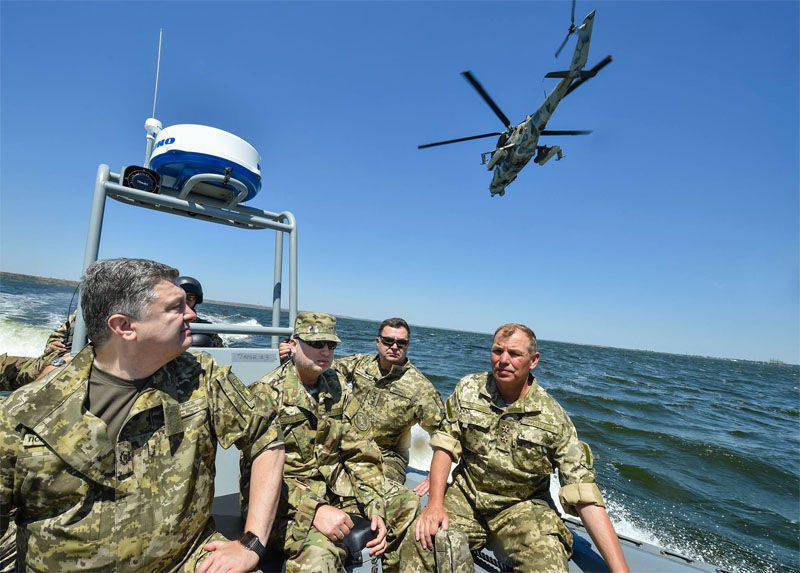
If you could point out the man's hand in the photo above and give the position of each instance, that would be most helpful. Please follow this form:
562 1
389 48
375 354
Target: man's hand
56 345
284 351
428 524
378 545
333 523
423 487
227 556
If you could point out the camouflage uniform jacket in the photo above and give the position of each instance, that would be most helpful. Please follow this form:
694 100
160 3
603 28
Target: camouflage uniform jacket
142 504
16 372
328 447
395 402
507 453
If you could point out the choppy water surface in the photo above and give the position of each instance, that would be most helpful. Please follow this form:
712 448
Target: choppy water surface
696 454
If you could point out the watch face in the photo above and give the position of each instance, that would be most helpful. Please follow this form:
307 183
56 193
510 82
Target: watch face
247 538
250 541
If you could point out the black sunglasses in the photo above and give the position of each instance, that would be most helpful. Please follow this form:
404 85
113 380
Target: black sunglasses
388 341
320 344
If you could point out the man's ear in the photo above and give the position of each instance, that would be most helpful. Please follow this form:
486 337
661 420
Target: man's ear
120 325
534 360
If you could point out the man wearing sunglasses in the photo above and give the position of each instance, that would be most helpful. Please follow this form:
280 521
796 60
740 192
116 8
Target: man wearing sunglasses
333 467
396 394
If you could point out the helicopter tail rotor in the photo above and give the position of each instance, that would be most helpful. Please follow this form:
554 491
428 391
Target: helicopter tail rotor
572 29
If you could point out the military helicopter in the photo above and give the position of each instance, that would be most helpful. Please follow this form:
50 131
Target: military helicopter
518 143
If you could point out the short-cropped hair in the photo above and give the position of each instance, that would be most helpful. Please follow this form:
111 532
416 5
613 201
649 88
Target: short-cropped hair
119 286
395 323
506 330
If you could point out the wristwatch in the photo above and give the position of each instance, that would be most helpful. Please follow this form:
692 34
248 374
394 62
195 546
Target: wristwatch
58 361
250 541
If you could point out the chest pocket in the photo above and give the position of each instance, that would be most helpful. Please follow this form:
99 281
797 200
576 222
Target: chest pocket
298 432
533 446
398 407
476 426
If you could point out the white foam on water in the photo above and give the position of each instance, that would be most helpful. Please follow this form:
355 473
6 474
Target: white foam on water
19 339
223 319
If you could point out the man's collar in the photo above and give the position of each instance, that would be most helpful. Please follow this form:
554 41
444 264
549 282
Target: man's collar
529 403
396 371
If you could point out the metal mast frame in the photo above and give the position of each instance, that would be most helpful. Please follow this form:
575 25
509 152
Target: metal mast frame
181 202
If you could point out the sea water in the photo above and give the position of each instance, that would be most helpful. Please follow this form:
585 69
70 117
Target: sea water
700 455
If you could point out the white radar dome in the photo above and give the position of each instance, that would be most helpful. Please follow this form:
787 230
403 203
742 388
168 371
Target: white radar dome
184 150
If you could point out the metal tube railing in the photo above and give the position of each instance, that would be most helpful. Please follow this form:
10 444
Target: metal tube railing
240 329
92 248
213 210
215 213
276 285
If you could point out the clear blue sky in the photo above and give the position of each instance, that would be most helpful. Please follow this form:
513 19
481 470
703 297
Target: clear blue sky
673 227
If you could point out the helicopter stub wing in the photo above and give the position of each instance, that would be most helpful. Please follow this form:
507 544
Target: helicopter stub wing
581 53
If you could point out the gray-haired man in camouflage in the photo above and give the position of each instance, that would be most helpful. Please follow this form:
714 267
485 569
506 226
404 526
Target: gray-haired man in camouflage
107 463
509 435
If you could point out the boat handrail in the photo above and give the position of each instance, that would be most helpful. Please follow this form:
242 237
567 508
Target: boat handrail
108 184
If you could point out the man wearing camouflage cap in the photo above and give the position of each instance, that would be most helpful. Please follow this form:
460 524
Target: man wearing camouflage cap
107 463
509 435
396 394
333 466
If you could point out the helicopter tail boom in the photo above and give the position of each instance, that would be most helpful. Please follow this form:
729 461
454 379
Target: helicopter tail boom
581 53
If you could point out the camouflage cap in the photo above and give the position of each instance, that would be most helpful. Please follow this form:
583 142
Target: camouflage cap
315 326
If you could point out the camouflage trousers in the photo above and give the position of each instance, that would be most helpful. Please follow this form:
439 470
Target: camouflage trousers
8 552
309 551
532 535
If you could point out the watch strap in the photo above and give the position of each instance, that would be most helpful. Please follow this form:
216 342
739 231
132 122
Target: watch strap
249 540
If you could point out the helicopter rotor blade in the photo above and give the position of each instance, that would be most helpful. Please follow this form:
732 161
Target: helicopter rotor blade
486 97
426 145
566 132
564 43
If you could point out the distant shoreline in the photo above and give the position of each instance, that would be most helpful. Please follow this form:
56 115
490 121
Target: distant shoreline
71 283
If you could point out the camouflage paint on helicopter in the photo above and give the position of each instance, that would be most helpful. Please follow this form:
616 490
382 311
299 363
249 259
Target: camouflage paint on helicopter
519 143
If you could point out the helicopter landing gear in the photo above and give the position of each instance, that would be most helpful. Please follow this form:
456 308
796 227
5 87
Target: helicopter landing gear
545 152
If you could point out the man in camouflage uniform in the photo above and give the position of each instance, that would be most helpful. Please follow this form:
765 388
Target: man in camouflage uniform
509 435
395 393
140 500
333 467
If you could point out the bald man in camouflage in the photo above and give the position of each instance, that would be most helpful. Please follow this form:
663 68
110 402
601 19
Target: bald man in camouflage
508 436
